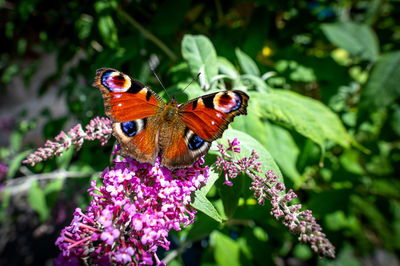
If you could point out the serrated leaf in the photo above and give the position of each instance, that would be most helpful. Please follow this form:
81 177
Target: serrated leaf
37 200
307 116
246 63
382 87
247 145
357 39
199 53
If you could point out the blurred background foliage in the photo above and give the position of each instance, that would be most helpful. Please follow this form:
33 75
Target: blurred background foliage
343 54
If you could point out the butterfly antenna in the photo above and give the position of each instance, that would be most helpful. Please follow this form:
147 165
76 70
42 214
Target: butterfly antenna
154 73
195 78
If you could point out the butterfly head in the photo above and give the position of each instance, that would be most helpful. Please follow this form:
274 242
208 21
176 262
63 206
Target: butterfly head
170 113
173 102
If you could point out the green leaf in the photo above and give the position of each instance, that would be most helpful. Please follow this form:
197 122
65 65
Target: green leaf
252 124
5 198
246 63
247 145
307 116
210 181
256 81
358 39
227 68
16 140
302 252
9 73
395 119
84 26
37 200
226 251
230 195
64 160
284 150
275 139
51 191
200 55
202 227
16 163
202 204
108 30
382 87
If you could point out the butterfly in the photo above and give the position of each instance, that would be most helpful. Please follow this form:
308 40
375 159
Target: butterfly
146 127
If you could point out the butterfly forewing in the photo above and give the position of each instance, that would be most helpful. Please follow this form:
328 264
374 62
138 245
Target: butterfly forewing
126 99
208 116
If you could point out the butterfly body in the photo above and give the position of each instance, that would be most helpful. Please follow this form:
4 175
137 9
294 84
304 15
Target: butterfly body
147 127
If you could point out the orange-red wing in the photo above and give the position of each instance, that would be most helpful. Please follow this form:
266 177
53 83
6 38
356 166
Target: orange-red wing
126 99
208 116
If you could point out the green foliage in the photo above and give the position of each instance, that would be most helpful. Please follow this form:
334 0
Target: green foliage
324 113
200 54
382 88
358 39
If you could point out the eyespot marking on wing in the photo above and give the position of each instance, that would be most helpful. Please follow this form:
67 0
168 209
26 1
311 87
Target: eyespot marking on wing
116 81
227 102
132 128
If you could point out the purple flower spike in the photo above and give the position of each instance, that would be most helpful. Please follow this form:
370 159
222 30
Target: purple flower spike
98 128
132 213
268 187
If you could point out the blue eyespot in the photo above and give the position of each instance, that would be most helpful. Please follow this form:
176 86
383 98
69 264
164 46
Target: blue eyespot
195 142
129 128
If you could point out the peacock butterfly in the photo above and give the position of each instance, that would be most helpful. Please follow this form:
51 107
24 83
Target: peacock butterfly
146 127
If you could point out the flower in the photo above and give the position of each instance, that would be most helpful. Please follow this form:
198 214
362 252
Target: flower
268 187
98 128
109 235
124 255
132 212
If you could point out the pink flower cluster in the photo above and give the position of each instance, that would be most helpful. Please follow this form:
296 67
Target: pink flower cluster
98 128
132 212
268 187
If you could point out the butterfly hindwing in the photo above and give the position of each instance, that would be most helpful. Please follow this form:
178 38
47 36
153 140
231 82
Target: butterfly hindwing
182 147
138 138
133 108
